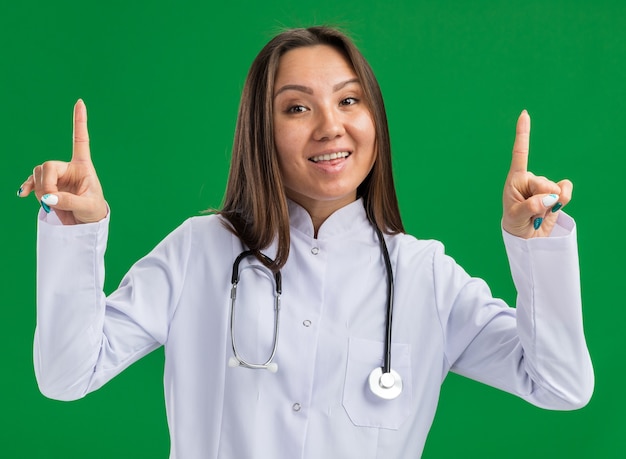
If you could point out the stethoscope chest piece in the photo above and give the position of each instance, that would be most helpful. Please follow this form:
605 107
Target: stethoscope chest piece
385 385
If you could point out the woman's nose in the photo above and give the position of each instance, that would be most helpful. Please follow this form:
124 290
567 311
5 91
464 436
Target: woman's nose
329 125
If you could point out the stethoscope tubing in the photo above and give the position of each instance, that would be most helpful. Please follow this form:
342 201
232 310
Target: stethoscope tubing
383 248
238 360
383 381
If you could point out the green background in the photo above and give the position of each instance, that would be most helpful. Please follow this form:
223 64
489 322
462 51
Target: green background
162 81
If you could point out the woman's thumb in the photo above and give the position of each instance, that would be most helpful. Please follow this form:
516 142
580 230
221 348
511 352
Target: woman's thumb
84 209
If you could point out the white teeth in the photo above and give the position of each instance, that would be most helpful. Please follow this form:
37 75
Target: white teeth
330 156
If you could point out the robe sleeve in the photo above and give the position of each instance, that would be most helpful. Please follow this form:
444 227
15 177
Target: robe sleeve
536 350
84 338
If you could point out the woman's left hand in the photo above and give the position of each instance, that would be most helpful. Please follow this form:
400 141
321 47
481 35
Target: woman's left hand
530 203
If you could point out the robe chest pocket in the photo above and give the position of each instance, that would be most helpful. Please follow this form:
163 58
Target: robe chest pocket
363 407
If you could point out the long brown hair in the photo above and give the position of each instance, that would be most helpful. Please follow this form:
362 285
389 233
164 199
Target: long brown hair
255 203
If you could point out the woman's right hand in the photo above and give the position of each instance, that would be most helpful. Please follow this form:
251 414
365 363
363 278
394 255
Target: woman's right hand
71 189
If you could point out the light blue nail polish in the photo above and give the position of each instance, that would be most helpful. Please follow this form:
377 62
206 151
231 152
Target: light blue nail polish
557 206
19 192
537 223
45 207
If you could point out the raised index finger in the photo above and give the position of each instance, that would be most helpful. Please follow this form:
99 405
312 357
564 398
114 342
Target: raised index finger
80 151
519 161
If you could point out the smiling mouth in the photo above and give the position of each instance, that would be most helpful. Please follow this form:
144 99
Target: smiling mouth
330 156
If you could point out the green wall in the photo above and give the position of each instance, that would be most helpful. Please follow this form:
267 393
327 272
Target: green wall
162 80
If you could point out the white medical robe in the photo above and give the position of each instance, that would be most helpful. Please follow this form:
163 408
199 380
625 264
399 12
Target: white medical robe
332 328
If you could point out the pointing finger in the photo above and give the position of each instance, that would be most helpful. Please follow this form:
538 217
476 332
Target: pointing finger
519 161
81 135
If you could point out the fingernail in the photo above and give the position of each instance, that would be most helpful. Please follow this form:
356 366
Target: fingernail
550 200
50 199
537 222
45 207
557 207
19 192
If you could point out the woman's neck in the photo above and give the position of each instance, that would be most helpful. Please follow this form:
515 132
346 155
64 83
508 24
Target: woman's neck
320 210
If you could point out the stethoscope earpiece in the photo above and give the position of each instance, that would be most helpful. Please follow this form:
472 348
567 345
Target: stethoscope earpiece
272 367
385 385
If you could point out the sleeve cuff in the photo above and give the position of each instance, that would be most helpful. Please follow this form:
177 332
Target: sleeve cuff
562 233
52 219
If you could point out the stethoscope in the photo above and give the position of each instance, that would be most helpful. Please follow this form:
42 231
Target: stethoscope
383 381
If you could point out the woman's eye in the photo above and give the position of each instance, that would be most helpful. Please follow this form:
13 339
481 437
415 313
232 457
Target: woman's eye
349 101
296 109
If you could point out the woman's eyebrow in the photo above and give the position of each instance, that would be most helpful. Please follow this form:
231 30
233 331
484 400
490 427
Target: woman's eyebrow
295 87
341 85
307 90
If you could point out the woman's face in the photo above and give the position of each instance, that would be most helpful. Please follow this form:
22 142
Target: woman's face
324 132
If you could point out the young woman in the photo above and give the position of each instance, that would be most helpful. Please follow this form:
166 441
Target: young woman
276 313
